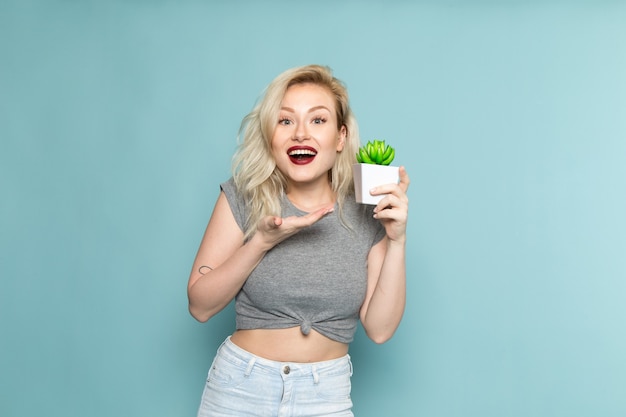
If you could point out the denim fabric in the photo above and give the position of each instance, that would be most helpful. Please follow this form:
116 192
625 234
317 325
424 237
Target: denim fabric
242 384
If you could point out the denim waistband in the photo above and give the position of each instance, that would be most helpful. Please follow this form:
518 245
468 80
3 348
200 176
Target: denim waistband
241 357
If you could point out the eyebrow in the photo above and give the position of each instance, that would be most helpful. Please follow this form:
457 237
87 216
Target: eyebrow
311 110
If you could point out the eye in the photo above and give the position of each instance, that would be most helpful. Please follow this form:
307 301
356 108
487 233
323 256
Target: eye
284 121
319 120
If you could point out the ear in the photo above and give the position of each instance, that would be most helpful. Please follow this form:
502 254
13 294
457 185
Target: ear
341 141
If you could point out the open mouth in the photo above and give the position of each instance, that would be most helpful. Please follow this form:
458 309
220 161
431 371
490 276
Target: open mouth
301 155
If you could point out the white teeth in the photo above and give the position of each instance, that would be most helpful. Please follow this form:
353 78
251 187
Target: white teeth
302 152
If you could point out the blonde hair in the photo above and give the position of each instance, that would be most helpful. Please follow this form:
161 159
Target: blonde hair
254 168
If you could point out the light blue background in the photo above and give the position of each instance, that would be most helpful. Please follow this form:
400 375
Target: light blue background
117 123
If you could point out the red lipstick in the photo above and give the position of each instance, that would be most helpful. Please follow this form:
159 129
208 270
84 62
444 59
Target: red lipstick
301 155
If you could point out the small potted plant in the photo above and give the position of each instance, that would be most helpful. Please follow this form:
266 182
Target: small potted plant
372 169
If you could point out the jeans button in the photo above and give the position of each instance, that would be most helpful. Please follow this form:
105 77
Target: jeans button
286 369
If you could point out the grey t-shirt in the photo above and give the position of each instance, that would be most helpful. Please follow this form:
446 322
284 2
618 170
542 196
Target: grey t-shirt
315 279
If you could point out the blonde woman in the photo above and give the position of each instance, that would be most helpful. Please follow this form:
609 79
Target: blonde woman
303 261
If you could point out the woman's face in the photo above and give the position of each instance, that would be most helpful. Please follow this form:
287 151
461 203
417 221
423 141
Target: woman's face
306 139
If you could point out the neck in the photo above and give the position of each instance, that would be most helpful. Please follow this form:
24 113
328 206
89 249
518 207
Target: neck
310 197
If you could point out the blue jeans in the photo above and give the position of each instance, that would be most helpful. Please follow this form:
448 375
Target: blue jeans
242 384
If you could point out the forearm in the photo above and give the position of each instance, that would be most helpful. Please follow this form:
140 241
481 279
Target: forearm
386 306
211 292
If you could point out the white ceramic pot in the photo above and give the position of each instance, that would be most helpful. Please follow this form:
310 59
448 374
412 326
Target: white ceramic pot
368 176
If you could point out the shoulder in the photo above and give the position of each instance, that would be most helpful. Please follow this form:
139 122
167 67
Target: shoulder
229 187
235 201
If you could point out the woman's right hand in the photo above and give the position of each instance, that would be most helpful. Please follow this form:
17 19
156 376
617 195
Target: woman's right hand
272 230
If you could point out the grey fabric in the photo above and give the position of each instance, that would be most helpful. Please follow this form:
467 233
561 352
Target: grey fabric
315 279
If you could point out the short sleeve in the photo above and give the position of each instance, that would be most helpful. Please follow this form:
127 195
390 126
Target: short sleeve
371 230
380 233
236 203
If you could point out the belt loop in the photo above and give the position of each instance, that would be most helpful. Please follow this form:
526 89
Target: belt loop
350 363
250 366
316 377
222 345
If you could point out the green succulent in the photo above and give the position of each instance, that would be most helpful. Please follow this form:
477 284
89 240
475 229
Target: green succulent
376 152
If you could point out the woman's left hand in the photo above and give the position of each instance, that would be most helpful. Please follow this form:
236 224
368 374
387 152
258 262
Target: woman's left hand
392 210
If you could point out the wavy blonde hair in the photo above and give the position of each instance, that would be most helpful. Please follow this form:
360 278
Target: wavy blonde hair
254 168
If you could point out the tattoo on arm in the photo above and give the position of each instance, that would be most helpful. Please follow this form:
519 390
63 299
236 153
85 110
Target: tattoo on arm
204 271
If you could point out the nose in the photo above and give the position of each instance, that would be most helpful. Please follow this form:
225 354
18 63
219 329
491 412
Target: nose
301 133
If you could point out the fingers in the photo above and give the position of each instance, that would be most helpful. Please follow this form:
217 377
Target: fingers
402 186
300 222
275 229
316 215
388 207
392 211
404 179
395 193
394 205
272 222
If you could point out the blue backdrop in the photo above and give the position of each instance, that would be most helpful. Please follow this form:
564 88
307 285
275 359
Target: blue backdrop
118 121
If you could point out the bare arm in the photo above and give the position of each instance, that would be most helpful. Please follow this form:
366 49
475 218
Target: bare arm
222 264
228 262
385 300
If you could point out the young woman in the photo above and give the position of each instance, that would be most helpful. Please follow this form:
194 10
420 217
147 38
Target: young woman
304 262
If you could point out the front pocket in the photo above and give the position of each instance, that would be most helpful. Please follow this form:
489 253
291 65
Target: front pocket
334 387
224 374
